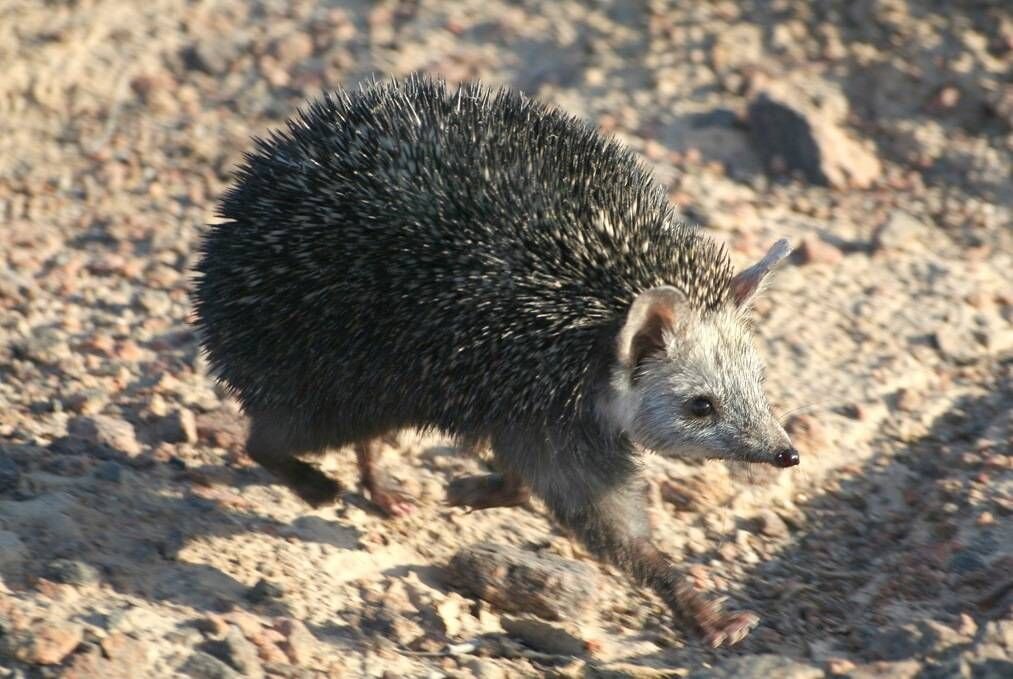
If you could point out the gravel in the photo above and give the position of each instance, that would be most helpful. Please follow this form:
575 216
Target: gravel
874 135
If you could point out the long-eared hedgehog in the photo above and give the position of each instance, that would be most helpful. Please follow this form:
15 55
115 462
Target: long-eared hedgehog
469 260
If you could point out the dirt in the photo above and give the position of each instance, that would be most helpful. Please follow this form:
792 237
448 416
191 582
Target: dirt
136 539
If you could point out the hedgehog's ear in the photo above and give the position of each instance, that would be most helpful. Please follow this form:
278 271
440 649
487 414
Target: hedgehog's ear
748 282
650 316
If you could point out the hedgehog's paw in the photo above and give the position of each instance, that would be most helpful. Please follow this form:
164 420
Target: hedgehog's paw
729 628
392 502
486 491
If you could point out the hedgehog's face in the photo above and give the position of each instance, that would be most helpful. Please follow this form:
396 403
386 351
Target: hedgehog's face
690 384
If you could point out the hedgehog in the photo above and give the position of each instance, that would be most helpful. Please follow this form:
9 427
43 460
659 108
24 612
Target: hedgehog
413 255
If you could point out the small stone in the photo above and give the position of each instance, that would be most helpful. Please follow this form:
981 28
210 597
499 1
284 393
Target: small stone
155 302
625 670
109 470
815 250
519 581
87 402
179 426
72 572
299 642
484 668
106 430
760 667
904 669
240 653
792 133
292 49
248 623
839 666
562 638
10 473
45 644
966 561
12 550
901 231
807 433
771 525
264 590
46 346
202 665
449 613
958 342
707 487
213 625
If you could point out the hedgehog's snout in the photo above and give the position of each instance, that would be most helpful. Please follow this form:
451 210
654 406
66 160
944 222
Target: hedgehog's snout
786 457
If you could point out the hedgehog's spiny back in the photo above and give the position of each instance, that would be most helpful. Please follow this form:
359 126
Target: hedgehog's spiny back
456 254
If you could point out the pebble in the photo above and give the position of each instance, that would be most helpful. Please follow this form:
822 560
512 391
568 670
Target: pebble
771 525
760 667
241 654
813 250
516 580
10 473
808 434
292 49
47 346
201 665
72 572
12 550
109 470
263 590
905 669
87 402
901 232
561 638
958 342
44 644
106 430
299 643
179 426
793 134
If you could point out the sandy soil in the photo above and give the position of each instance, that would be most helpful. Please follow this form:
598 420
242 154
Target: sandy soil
137 540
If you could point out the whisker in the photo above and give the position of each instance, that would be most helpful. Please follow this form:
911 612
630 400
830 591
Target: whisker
805 408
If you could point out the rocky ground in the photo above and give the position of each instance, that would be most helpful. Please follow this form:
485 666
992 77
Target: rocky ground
137 540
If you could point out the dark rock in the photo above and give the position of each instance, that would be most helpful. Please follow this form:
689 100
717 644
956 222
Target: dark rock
179 426
10 473
771 525
794 134
236 650
106 430
559 638
202 665
966 561
518 581
71 572
212 56
109 471
263 591
814 250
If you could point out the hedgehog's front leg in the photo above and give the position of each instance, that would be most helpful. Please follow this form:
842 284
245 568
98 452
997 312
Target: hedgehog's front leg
613 526
382 492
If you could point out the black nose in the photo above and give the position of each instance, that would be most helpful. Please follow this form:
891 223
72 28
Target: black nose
786 458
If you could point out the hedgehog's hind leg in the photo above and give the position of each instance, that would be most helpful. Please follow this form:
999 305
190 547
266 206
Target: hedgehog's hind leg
487 490
382 491
274 443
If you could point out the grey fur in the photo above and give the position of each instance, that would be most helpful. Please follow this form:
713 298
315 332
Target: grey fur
465 260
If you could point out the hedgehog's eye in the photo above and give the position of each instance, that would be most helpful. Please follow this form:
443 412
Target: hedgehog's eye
700 406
